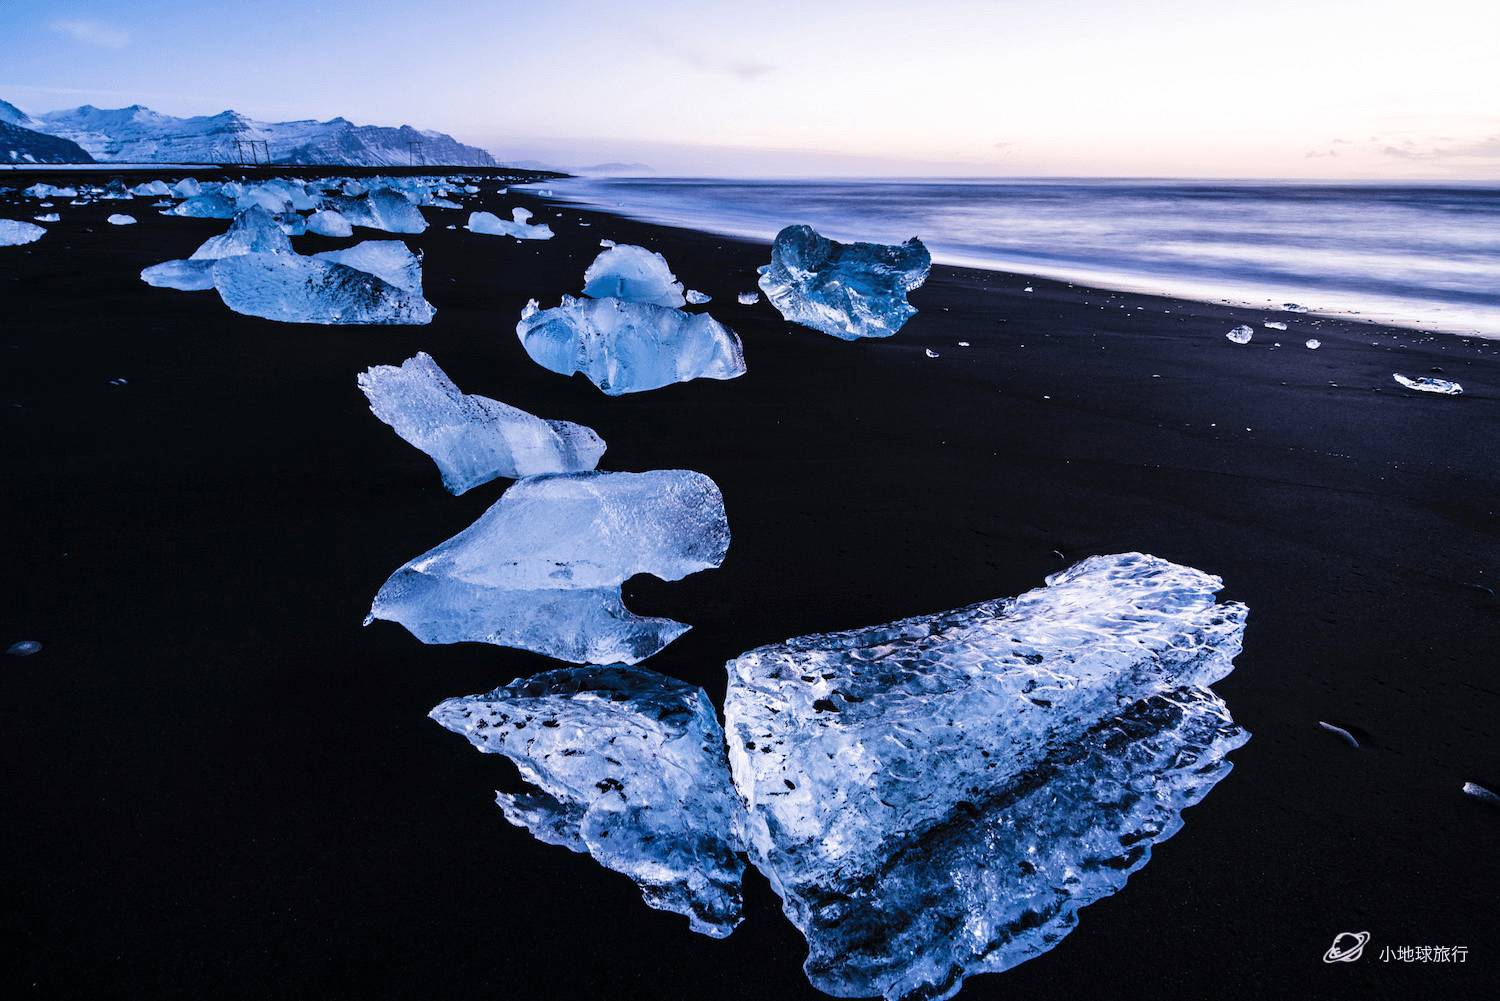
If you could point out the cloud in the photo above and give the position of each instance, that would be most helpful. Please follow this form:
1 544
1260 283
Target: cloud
1314 153
91 32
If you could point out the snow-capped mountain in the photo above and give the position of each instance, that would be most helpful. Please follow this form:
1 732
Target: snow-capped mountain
12 115
19 144
139 135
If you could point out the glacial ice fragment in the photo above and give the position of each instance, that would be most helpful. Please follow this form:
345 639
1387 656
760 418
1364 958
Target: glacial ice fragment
184 276
327 222
188 187
938 797
294 289
626 765
929 352
390 260
120 219
1479 792
208 205
151 189
48 217
472 439
1424 384
1347 737
14 233
696 298
1274 325
633 274
1313 344
489 224
25 648
541 569
748 298
847 290
381 208
253 231
629 347
1241 334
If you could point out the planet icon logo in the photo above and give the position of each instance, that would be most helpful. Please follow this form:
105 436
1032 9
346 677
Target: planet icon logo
1347 947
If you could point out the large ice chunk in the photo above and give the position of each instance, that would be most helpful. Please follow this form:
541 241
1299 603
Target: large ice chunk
472 439
937 797
254 231
296 289
489 224
625 765
14 233
633 274
629 347
541 569
848 290
329 223
381 209
208 205
391 260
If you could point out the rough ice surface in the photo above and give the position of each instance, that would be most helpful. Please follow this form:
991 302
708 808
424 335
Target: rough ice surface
1241 334
48 217
188 187
748 298
14 233
1313 344
184 276
472 439
390 260
1424 384
1470 789
254 231
121 219
489 224
294 289
633 274
629 347
327 222
381 208
938 797
1274 325
208 205
626 765
847 290
541 569
930 353
151 189
696 298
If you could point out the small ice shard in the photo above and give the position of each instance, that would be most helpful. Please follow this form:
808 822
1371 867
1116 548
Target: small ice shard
541 569
930 353
1340 731
848 290
937 797
606 243
1292 307
14 233
1424 384
23 648
748 298
327 222
209 205
963 344
48 217
1313 344
120 219
294 289
633 274
489 224
625 765
1028 288
629 347
696 298
1274 325
473 439
1241 334
1480 792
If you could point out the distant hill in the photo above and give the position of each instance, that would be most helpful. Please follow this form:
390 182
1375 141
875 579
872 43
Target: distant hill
137 134
18 145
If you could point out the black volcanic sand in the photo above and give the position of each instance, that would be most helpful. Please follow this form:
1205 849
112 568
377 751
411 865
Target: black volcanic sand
220 785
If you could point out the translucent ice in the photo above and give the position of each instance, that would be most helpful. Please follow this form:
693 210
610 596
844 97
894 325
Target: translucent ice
748 298
1241 334
13 232
1423 384
472 439
121 219
696 298
1274 325
48 217
390 260
628 347
633 274
329 223
381 208
489 224
185 276
848 290
1313 344
625 765
208 205
254 231
151 189
541 569
296 289
187 188
937 797
25 648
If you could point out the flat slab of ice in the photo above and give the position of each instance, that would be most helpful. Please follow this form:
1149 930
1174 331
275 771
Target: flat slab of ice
937 797
473 439
629 347
294 289
846 290
541 569
15 233
489 224
625 765
1424 384
633 274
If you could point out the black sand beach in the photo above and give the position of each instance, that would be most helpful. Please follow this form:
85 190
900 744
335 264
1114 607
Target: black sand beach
220 785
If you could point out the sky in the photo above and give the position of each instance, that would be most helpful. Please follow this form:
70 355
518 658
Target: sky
1369 89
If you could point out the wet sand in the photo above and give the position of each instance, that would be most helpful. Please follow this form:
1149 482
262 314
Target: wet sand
222 786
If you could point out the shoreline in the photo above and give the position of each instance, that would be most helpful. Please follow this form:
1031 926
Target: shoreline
219 764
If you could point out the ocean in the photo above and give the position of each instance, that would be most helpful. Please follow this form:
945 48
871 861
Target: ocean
1419 255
